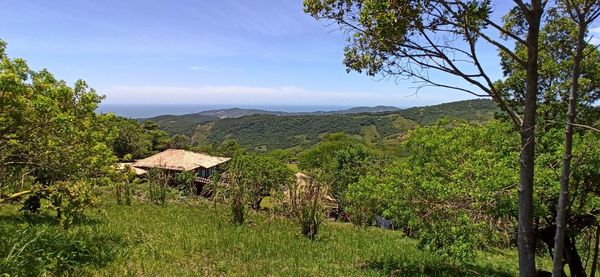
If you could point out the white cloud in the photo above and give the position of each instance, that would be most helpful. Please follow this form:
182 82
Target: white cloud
284 95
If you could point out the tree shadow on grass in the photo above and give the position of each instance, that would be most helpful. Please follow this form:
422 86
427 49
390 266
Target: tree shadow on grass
396 267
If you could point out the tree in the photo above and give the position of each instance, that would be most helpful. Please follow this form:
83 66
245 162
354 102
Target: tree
179 141
582 13
454 191
52 142
160 139
342 160
260 175
558 63
227 148
412 38
131 139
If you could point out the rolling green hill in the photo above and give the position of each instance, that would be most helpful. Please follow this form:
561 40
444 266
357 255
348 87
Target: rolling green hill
265 130
478 110
181 124
272 132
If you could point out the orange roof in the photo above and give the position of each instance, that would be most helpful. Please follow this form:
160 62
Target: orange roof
180 160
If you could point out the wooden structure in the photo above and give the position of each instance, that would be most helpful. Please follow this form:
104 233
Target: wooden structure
177 160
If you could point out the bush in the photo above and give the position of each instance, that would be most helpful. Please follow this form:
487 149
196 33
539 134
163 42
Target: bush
68 199
363 201
185 182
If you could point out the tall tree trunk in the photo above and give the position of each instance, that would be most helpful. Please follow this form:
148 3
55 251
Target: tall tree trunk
596 246
573 259
563 200
526 240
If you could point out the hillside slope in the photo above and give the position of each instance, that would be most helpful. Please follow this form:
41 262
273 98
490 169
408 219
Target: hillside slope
478 110
265 130
271 132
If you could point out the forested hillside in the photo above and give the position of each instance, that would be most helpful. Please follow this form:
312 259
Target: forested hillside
181 124
478 110
272 132
267 130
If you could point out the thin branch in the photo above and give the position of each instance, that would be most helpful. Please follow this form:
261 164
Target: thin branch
506 32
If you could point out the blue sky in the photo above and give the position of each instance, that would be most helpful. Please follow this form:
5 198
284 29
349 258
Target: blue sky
201 52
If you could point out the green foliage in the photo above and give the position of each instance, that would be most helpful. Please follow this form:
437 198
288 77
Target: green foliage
308 203
48 250
226 148
365 199
158 186
455 191
180 124
185 182
282 132
123 193
479 110
159 138
238 199
69 200
179 141
260 175
262 132
51 139
341 158
131 140
556 60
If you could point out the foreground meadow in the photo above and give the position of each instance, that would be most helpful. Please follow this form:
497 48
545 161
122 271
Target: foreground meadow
183 239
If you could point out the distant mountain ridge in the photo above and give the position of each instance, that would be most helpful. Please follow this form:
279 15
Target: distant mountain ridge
239 112
265 130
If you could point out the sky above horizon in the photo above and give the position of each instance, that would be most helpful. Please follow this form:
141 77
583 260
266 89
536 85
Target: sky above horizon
202 52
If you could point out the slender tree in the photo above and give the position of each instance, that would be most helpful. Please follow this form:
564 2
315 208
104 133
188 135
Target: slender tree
583 13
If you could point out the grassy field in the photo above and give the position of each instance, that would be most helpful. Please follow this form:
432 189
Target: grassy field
183 239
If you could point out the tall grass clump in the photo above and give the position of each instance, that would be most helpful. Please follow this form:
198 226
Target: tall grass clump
158 186
238 201
123 188
307 199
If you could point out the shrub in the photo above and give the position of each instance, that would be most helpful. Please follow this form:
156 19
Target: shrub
158 183
238 200
68 199
185 182
307 202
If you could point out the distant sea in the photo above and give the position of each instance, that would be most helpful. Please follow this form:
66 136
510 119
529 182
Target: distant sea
144 111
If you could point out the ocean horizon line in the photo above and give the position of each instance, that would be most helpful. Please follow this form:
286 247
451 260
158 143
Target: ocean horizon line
151 110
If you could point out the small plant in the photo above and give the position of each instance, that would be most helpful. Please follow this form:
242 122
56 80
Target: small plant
308 204
158 182
238 201
185 182
123 186
127 193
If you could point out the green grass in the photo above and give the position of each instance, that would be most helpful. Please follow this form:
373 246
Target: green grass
183 239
